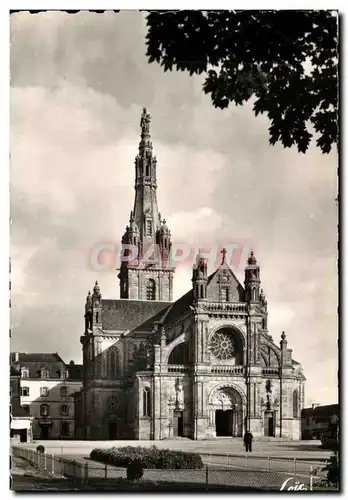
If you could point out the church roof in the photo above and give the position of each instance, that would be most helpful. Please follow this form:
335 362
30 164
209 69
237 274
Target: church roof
178 308
169 314
125 314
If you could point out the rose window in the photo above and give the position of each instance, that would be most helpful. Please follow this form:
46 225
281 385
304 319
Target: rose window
222 346
112 402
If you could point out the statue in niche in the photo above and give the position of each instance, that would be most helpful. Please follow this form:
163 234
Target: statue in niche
148 355
269 394
179 394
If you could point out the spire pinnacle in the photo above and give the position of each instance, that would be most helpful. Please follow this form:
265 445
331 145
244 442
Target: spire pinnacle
224 252
145 123
252 259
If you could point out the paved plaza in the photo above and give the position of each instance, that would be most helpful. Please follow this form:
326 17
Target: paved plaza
305 450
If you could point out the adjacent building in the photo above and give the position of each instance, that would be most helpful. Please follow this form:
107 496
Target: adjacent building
21 423
201 367
47 387
319 420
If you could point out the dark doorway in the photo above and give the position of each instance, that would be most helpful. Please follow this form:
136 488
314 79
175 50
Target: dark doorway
113 430
269 424
178 424
23 435
44 432
224 423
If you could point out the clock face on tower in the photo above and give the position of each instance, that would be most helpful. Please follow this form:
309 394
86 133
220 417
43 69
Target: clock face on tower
112 402
222 346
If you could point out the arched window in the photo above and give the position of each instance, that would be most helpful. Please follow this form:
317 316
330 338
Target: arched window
146 402
224 295
180 355
44 410
295 404
202 292
147 169
151 290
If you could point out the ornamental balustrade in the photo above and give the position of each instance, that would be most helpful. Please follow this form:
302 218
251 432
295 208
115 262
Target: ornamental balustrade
270 371
229 370
178 369
225 307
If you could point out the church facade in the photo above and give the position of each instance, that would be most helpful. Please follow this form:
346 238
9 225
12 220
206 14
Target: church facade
201 367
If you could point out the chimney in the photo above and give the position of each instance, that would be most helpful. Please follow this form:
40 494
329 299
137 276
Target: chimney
16 357
314 405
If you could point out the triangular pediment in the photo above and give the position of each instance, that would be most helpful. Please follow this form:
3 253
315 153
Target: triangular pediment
223 285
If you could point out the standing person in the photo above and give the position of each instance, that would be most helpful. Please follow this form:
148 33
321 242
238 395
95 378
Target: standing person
250 440
245 440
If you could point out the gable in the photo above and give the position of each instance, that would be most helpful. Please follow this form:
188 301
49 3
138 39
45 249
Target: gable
224 286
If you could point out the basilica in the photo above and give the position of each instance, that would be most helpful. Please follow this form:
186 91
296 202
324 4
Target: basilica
202 367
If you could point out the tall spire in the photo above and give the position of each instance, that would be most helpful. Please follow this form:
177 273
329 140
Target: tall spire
145 162
146 231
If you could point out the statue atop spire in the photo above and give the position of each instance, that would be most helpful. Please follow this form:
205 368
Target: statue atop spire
145 122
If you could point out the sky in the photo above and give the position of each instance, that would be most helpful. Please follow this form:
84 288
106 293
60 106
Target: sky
78 85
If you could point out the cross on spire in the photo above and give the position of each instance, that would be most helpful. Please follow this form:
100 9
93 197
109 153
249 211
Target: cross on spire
224 252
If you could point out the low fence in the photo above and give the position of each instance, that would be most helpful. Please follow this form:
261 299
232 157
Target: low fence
301 466
89 475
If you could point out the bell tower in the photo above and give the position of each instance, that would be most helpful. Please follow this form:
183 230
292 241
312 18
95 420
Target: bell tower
146 271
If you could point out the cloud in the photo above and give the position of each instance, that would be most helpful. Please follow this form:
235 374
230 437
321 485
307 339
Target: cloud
78 84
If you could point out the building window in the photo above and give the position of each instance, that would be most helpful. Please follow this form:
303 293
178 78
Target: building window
26 408
64 428
63 392
44 391
24 391
149 227
11 392
151 290
64 410
44 374
64 374
295 404
44 410
114 362
25 373
224 295
146 402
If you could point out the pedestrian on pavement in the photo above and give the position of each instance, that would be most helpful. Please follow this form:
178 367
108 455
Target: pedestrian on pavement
248 439
246 442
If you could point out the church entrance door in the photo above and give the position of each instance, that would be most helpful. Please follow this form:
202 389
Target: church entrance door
178 424
224 423
269 424
112 430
